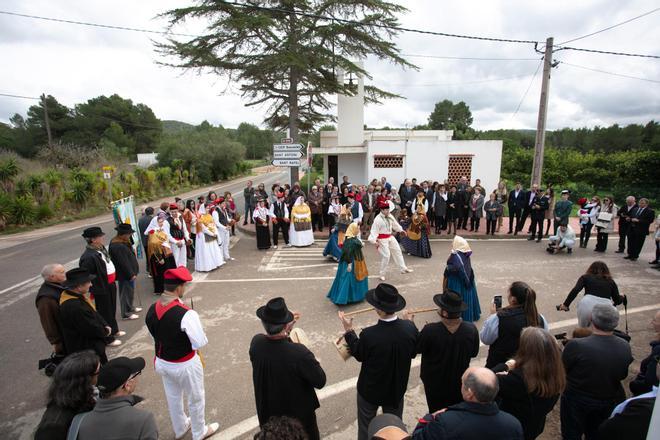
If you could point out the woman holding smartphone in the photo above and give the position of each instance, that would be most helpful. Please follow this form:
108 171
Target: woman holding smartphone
501 331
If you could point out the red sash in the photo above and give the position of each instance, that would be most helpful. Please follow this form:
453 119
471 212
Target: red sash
384 236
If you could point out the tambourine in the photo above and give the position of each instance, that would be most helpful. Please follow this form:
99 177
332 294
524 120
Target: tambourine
341 345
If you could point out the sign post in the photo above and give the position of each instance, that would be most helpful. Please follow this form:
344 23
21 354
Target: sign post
107 175
287 154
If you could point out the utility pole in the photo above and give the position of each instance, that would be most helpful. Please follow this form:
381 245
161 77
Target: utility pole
50 137
539 144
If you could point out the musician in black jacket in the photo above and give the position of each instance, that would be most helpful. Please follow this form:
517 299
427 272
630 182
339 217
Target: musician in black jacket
284 373
385 350
516 203
640 220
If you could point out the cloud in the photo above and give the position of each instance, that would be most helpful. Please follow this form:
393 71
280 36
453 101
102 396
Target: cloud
75 63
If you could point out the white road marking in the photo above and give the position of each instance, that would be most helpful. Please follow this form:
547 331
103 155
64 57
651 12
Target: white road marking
26 287
257 280
252 423
297 267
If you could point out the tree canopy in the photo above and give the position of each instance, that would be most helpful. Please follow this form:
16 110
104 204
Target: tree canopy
285 53
449 116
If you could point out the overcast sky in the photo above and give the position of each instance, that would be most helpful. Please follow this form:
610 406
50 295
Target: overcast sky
75 63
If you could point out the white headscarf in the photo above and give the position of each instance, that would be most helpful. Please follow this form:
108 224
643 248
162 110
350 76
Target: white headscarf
460 245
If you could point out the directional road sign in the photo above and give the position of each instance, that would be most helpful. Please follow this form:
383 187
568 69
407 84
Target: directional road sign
286 162
287 147
287 154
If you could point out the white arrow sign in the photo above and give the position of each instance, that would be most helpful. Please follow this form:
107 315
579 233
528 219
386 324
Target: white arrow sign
287 147
287 154
286 163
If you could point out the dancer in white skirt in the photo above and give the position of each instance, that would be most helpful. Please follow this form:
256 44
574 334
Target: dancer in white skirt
208 256
300 231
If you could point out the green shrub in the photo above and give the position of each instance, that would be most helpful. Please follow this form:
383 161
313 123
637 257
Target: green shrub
44 212
5 209
23 210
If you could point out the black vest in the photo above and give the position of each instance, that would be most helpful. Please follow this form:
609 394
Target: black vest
279 209
512 322
175 231
171 343
355 210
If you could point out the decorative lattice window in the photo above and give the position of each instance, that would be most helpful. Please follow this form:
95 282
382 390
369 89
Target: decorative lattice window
388 161
459 165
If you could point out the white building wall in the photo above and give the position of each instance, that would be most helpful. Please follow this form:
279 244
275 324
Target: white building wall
486 163
350 113
353 166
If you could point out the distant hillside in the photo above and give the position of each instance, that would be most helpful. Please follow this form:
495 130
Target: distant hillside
176 126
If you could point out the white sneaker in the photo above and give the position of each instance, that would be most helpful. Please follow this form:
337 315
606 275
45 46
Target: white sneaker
119 334
211 430
131 317
406 270
274 247
188 426
288 245
382 278
115 343
137 309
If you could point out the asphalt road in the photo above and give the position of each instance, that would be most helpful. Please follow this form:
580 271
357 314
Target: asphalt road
227 299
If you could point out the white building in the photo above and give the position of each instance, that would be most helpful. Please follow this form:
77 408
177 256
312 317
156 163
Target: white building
145 160
363 155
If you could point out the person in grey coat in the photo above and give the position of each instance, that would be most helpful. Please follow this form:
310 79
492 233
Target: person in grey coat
493 210
476 206
115 415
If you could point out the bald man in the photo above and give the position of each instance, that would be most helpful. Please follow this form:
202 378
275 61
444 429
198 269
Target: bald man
478 417
48 305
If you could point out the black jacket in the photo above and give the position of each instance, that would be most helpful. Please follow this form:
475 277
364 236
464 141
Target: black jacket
83 328
516 203
529 409
469 421
124 259
93 262
284 375
55 422
646 217
631 424
385 350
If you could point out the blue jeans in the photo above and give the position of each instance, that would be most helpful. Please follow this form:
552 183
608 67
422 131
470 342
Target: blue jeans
581 414
249 209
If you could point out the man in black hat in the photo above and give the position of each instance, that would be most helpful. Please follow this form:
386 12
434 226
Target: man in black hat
446 348
126 264
114 415
284 373
83 328
384 374
178 335
97 261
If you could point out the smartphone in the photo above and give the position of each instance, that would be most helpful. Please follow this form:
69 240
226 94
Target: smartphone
497 300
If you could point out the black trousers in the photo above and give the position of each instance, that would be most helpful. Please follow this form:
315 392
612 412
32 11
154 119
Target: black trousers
106 305
537 225
317 222
635 242
585 233
474 221
521 223
623 234
440 223
601 240
514 213
366 411
283 226
463 219
491 225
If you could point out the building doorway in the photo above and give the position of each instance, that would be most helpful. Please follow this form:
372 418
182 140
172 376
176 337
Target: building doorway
333 168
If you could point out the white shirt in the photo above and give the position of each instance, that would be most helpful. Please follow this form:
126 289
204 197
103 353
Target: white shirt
622 406
383 225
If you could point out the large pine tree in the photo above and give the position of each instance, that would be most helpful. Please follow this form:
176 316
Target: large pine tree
285 53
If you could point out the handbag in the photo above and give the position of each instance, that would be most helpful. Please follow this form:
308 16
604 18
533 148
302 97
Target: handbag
604 219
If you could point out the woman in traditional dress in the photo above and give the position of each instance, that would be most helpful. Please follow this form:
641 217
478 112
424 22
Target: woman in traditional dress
416 242
159 253
208 255
459 277
261 216
351 282
300 231
336 239
190 217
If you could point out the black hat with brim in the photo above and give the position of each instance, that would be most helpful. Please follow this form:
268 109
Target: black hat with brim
450 301
117 372
275 312
385 297
93 232
124 228
76 277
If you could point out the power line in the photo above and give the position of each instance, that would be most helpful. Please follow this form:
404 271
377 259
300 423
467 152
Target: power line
611 73
18 96
107 26
527 91
624 54
462 83
442 57
611 27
